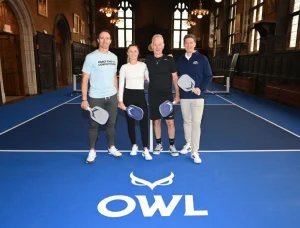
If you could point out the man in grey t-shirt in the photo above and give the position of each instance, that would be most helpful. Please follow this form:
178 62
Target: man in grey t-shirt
100 68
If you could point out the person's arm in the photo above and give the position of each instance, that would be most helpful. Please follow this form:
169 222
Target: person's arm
178 69
147 67
116 77
121 83
146 76
116 83
86 71
84 89
207 73
84 85
175 79
121 88
207 77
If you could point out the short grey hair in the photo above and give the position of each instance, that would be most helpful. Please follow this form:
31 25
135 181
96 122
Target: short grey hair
157 36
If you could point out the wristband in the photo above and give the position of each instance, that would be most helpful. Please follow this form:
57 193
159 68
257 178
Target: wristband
84 100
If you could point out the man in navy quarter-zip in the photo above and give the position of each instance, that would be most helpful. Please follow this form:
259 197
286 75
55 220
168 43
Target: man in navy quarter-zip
197 67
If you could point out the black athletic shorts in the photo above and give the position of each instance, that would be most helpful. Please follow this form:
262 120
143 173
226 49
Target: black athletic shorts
155 101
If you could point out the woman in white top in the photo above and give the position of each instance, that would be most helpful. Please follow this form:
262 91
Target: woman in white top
131 92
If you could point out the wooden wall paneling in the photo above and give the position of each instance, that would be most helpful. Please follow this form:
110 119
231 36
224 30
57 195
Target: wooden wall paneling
256 65
243 70
262 65
251 65
283 69
276 66
294 76
269 65
79 52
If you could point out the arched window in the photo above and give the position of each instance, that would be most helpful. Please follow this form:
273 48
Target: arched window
215 30
256 12
294 24
125 27
180 28
231 26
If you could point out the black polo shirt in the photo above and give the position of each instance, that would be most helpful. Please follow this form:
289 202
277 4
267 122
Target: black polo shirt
160 74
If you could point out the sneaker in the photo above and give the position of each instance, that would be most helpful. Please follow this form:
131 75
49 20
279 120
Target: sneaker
91 157
173 151
113 151
134 150
186 148
158 149
195 156
147 155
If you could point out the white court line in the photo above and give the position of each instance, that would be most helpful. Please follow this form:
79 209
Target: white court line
218 104
164 151
37 116
174 104
282 128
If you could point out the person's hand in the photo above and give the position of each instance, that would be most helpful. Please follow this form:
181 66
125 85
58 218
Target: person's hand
196 91
121 105
85 105
176 99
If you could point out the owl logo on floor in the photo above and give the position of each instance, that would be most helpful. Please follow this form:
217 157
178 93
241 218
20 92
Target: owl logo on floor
141 182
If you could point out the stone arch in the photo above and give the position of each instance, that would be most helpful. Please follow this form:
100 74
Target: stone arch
62 23
27 32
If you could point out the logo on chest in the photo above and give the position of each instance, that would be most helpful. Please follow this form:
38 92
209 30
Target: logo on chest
106 62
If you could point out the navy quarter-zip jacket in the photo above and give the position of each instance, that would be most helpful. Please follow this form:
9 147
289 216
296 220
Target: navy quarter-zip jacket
198 68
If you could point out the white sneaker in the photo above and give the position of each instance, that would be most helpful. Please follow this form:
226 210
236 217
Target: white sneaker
195 156
173 151
134 150
186 148
158 149
113 151
147 155
91 157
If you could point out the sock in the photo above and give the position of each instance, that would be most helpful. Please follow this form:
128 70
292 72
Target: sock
158 141
171 141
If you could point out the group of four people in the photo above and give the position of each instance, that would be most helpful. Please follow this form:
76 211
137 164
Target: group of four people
109 93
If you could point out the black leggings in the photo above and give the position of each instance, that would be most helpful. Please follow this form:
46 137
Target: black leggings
137 98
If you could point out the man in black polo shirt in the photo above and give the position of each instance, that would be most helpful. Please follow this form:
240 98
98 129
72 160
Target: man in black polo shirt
162 71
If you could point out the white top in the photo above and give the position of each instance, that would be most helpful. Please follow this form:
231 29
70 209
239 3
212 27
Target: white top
132 76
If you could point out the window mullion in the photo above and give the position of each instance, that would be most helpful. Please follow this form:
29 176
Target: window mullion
298 33
180 29
125 27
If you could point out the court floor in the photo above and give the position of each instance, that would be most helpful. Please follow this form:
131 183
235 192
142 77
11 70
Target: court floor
249 176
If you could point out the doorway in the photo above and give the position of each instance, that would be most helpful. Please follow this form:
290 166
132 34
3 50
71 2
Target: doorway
60 61
11 68
62 51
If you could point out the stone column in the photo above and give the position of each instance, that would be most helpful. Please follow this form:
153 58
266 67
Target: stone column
2 94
